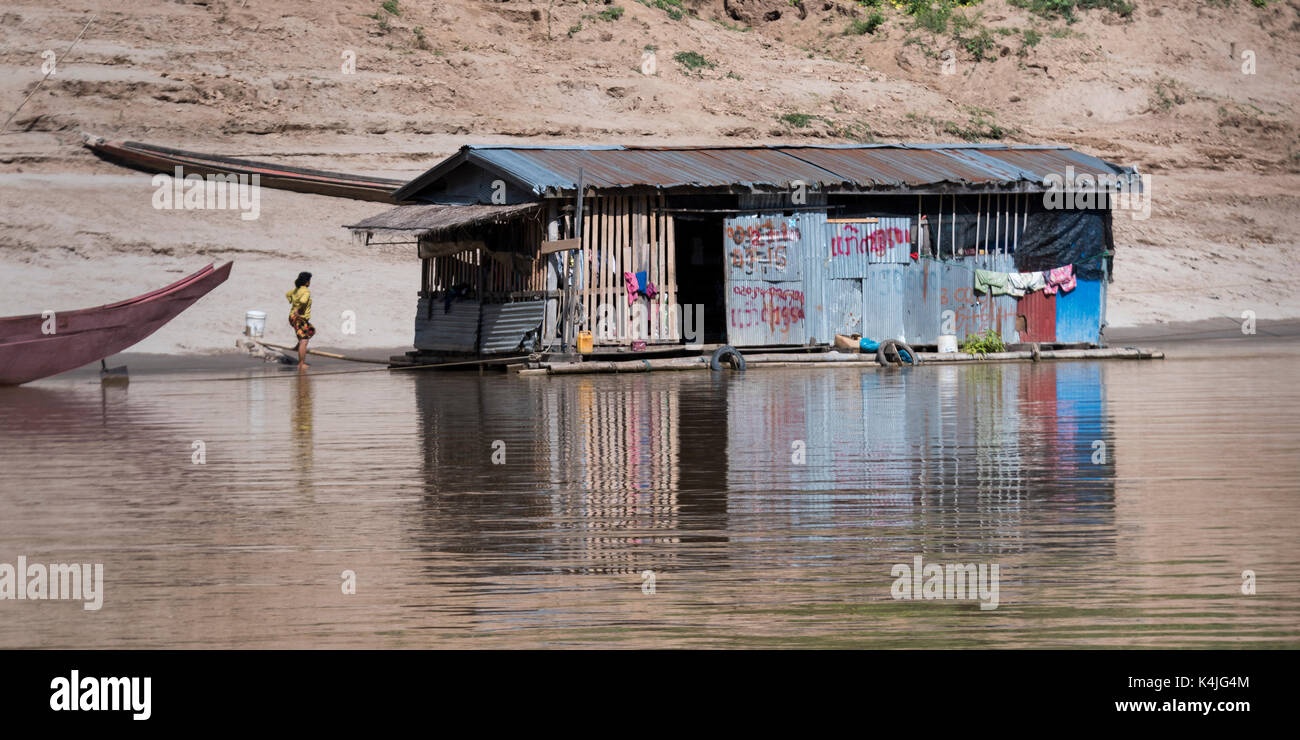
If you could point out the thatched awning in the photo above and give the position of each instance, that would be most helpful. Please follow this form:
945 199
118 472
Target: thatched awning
428 218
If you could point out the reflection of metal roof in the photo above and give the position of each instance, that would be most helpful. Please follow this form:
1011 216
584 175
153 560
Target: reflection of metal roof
554 170
427 218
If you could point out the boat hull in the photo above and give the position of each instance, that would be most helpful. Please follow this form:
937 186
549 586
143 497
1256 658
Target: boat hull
29 350
164 160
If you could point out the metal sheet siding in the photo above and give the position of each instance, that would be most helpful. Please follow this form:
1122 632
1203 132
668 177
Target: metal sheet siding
856 245
1079 312
763 313
1039 310
999 313
921 320
842 312
766 255
766 246
821 293
883 302
506 324
446 331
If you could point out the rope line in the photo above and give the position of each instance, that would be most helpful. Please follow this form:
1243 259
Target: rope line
47 75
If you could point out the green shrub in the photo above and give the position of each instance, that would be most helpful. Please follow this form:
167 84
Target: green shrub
673 8
858 27
982 344
798 120
693 60
980 45
1066 8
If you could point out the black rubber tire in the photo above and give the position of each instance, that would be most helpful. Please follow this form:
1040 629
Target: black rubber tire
723 352
887 353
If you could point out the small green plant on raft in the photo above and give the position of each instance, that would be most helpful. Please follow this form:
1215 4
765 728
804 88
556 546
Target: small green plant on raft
984 343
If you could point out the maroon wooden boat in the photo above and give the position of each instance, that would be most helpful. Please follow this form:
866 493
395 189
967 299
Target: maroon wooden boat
161 159
28 352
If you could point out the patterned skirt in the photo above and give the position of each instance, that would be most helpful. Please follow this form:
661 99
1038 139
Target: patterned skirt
302 327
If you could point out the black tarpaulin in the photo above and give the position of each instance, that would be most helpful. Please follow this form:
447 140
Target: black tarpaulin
1067 237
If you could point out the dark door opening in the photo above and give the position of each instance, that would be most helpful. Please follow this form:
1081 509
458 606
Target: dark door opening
700 280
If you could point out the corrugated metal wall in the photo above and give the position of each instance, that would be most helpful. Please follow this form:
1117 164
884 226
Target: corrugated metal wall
884 304
1079 312
439 330
1039 310
912 301
506 324
766 303
853 246
828 304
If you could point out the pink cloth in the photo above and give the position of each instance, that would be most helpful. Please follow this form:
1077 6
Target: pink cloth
1060 277
629 282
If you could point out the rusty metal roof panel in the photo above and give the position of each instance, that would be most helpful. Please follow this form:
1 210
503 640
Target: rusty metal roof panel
880 167
557 169
760 168
1035 164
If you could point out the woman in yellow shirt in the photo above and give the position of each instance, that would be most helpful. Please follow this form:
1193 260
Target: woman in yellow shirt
300 313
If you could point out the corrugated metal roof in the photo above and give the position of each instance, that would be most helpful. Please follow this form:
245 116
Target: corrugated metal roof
867 167
430 217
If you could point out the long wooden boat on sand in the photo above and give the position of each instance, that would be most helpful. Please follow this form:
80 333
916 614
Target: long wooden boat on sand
40 345
164 160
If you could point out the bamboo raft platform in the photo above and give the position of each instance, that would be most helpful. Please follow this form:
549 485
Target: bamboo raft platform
834 359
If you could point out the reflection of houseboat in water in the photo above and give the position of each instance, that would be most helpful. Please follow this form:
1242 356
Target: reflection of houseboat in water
755 247
629 474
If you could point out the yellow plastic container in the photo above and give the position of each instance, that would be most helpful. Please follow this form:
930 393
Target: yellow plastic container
585 343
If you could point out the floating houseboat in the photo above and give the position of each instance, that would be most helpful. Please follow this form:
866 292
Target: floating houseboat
612 249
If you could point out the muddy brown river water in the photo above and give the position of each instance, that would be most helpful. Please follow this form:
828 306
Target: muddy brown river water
1122 503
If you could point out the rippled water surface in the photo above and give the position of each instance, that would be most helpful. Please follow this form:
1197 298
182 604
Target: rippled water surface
1121 501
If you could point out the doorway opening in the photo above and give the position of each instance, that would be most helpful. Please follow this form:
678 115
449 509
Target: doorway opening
700 278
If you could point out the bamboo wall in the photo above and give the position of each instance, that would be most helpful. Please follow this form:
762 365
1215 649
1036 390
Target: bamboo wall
623 234
511 262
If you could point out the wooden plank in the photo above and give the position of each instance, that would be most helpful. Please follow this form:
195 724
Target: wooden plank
628 264
852 220
560 245
642 256
590 238
597 264
440 249
656 269
607 259
670 247
589 252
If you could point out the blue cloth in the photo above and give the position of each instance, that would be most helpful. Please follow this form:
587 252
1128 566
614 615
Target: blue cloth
866 345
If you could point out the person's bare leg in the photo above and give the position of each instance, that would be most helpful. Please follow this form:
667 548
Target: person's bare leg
302 353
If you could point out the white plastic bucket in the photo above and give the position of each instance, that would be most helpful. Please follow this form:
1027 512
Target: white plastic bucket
947 343
254 323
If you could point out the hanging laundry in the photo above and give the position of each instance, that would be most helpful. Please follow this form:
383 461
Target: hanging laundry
1060 278
995 283
650 291
1026 282
633 287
